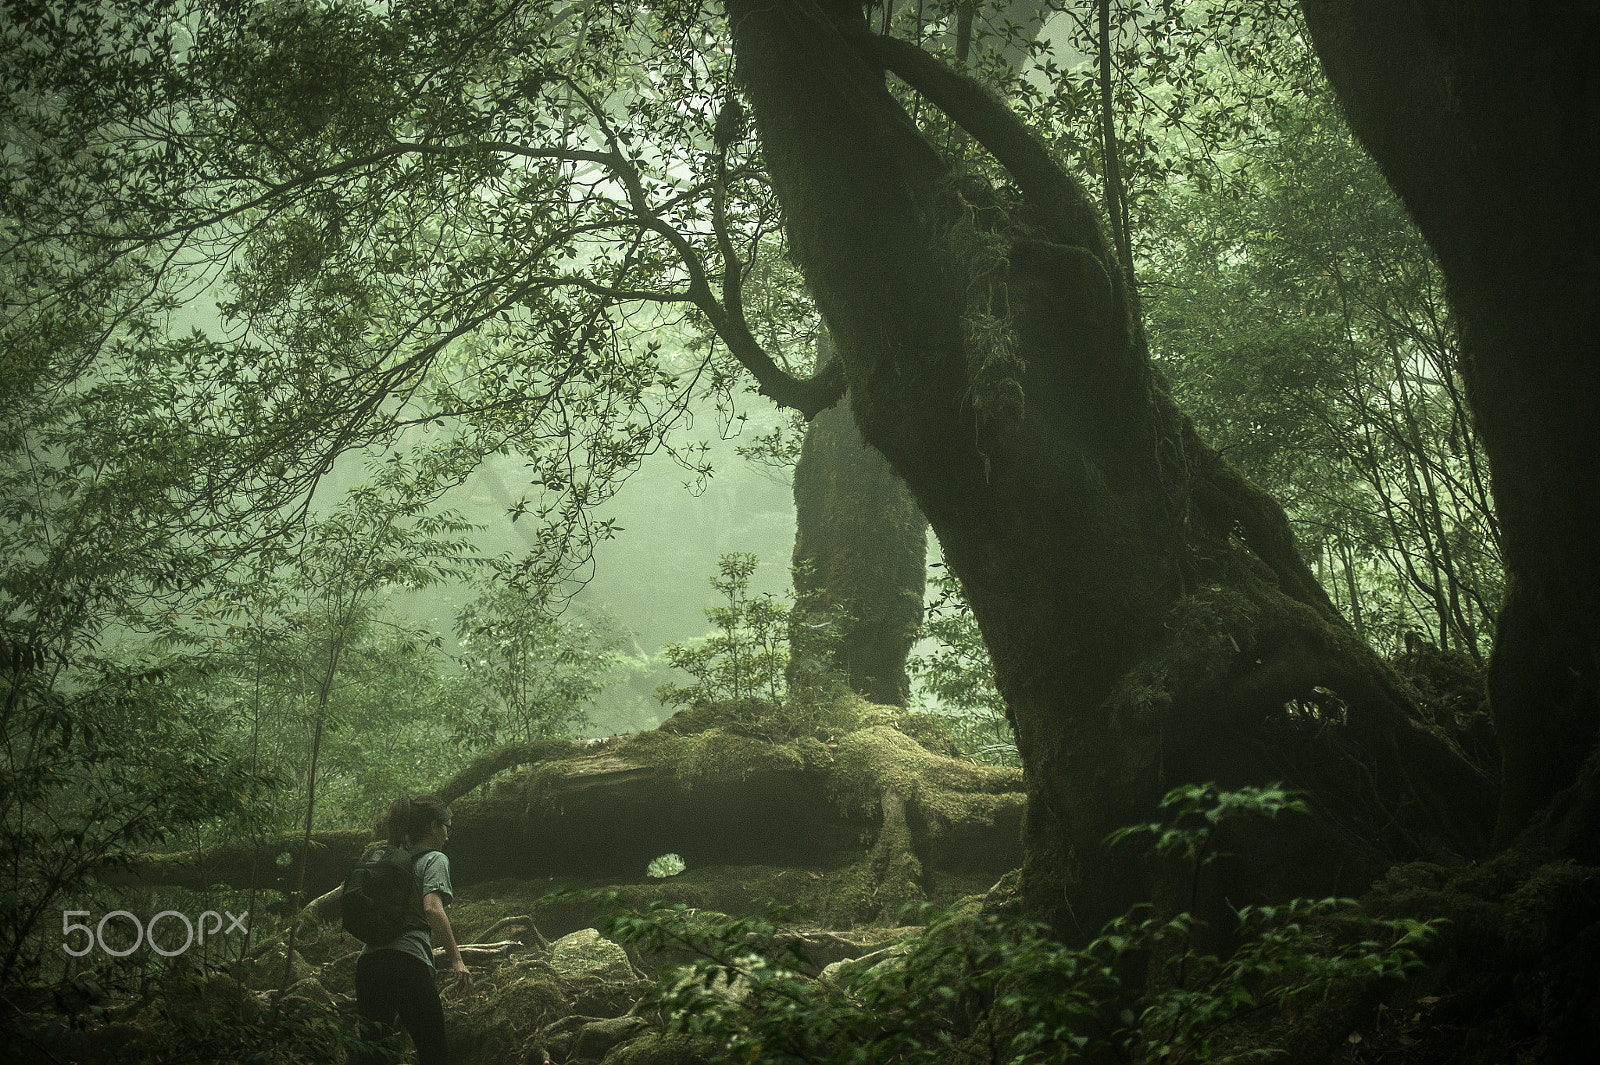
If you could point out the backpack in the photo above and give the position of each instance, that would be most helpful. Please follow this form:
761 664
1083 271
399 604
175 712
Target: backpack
382 896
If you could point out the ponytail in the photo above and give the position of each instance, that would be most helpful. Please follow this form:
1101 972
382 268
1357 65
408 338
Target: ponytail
396 819
407 820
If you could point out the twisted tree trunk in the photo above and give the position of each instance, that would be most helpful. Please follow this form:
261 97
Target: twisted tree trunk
1148 615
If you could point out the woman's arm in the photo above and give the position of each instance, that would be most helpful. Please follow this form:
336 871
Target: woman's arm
445 936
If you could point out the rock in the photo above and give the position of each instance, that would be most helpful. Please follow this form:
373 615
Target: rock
310 990
889 957
595 1039
730 989
659 1048
587 953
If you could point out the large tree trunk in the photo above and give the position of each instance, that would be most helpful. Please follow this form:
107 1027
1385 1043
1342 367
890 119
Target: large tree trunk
1146 610
860 545
1485 117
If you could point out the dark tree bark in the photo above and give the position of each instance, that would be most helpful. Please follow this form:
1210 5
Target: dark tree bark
1147 612
1485 117
860 546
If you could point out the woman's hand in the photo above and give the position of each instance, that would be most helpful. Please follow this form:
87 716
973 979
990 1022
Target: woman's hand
463 976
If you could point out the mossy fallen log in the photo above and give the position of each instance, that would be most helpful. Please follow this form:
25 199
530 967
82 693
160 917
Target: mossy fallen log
879 784
717 792
270 863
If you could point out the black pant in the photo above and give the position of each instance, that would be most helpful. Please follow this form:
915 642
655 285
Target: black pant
390 984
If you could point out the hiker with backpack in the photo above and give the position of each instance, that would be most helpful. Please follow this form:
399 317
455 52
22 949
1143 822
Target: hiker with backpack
394 903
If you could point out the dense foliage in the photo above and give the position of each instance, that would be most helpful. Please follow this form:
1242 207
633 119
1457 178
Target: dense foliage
1006 991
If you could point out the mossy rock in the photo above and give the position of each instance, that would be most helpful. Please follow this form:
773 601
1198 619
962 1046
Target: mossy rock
310 991
661 1048
887 958
512 1004
588 953
581 1039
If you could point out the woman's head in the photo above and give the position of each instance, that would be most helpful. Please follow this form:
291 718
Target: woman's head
409 820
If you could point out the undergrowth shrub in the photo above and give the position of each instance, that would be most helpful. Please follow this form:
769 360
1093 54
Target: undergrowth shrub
744 658
955 677
1006 991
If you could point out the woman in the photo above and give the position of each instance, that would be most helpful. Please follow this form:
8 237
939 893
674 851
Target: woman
396 979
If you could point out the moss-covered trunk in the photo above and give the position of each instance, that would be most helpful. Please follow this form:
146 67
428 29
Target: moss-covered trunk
1485 117
859 549
1146 610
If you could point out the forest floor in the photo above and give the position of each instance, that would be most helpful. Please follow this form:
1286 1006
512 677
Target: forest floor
1511 975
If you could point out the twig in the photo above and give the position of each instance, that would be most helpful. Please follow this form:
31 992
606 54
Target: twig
524 920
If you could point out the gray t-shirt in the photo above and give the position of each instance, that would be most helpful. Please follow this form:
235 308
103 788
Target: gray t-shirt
434 870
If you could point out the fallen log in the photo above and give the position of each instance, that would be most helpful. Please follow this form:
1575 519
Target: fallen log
722 796
270 863
706 788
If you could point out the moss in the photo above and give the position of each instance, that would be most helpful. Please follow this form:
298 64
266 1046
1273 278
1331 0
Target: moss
1209 631
943 790
509 1007
1551 909
732 714
540 785
896 875
1514 965
660 1048
280 849
930 731
719 755
968 905
814 754
874 891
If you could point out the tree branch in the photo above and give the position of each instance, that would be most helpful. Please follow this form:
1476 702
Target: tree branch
810 396
1049 190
